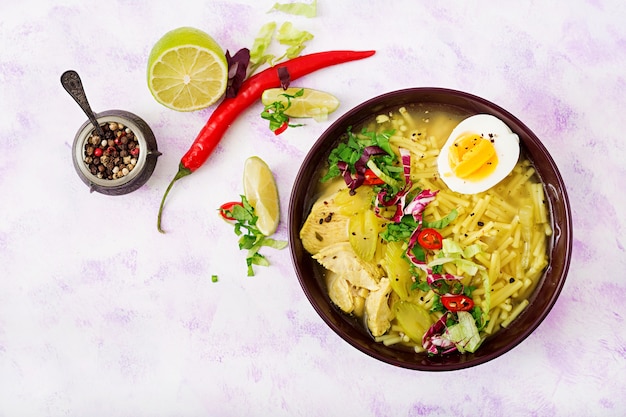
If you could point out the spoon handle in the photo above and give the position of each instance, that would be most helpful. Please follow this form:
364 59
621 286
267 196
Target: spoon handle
74 86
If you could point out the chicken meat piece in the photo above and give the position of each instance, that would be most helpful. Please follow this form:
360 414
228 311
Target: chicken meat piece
341 259
324 226
377 309
340 292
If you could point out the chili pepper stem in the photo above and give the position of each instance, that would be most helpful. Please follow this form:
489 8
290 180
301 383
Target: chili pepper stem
182 172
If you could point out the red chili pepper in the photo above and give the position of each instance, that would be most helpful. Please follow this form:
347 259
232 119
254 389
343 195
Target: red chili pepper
251 90
371 178
281 129
430 239
229 207
456 303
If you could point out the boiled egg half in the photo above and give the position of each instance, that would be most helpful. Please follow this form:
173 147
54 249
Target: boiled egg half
479 153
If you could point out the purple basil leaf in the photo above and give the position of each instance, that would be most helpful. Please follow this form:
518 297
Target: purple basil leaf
237 70
284 77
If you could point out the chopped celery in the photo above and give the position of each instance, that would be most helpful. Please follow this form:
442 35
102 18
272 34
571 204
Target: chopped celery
413 319
397 268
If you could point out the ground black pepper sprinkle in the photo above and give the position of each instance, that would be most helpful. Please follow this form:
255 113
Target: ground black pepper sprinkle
114 155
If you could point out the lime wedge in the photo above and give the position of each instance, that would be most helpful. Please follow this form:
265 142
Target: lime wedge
260 190
187 70
312 103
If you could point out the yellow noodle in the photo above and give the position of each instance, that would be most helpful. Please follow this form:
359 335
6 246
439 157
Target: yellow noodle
472 218
492 321
517 236
519 180
483 258
507 257
516 312
474 236
505 207
454 199
494 266
495 213
505 245
506 306
548 229
503 226
499 296
404 142
508 233
392 340
407 116
540 245
538 197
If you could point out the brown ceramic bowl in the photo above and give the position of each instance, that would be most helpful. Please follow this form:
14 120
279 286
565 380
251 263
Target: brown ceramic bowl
310 274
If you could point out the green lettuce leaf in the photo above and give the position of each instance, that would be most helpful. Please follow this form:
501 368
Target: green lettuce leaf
441 223
464 334
294 38
297 8
261 43
452 248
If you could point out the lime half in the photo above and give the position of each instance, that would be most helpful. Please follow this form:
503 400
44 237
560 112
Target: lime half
187 70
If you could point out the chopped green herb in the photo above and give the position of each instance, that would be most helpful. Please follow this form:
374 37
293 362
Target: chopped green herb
250 238
438 305
214 278
351 150
275 112
422 286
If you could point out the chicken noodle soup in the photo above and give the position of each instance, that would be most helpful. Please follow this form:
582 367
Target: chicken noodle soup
363 231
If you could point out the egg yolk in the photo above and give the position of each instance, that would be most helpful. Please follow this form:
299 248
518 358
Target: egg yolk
472 157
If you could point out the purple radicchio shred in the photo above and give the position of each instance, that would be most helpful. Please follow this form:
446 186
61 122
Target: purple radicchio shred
399 199
284 77
360 166
416 209
433 340
418 205
437 281
405 155
237 70
352 182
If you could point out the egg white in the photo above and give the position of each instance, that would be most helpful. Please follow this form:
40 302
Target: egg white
505 142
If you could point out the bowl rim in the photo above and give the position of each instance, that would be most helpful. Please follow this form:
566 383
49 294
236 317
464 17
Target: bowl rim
556 194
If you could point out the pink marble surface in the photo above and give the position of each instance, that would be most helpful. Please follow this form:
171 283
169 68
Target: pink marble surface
102 315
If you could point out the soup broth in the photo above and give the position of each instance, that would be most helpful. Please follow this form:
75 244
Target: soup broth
507 228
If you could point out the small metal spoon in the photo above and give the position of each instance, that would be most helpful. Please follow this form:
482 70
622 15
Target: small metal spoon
74 86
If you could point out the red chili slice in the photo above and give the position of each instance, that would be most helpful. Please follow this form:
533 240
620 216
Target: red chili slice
281 129
229 207
456 303
371 178
430 239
